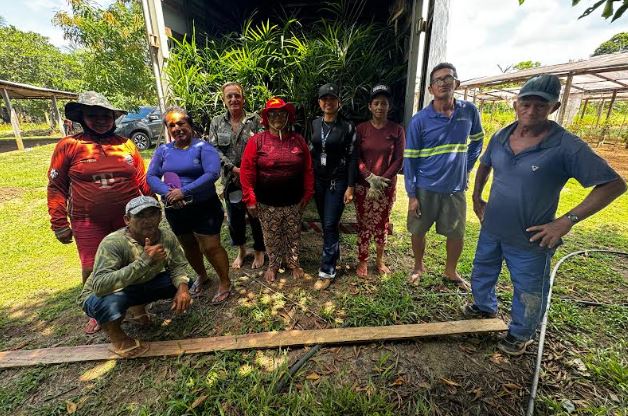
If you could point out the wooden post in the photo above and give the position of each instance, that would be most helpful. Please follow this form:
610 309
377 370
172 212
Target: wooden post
57 114
564 100
466 93
599 112
14 121
584 108
610 106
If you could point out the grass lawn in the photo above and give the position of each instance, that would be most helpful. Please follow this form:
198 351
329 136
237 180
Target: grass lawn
585 362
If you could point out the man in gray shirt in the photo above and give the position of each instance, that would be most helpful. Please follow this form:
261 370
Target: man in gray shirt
531 160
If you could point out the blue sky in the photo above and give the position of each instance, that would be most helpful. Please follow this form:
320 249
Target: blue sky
482 33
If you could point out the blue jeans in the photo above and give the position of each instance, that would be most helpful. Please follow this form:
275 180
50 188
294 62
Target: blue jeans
529 272
329 197
114 306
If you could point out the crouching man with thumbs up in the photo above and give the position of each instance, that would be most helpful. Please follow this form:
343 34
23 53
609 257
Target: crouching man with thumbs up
135 265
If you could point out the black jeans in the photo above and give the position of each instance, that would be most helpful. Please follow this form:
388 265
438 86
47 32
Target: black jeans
236 215
329 197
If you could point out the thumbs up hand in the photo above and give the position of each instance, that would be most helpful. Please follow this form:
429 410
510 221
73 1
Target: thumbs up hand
156 252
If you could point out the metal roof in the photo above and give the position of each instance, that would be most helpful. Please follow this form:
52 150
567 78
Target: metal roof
596 78
26 91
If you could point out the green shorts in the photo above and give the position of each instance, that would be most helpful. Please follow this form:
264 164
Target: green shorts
448 211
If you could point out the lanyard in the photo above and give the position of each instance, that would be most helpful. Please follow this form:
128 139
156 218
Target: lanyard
325 136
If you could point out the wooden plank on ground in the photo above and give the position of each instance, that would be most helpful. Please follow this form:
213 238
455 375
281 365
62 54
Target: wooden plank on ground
20 358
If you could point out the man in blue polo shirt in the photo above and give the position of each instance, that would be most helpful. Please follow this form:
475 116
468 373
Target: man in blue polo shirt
531 160
443 142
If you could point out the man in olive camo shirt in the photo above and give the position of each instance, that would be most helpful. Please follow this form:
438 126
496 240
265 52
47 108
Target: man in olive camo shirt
229 133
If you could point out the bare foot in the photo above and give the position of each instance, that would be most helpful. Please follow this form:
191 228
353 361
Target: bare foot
258 260
362 269
238 262
417 272
382 268
298 273
270 275
456 279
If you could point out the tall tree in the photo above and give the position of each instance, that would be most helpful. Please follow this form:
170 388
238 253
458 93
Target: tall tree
113 49
618 43
607 11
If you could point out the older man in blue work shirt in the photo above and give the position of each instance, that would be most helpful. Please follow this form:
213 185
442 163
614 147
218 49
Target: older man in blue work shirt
531 160
443 142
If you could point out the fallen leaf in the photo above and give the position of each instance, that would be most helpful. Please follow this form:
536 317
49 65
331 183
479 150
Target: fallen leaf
568 406
199 401
398 382
477 393
467 349
424 385
71 407
511 386
498 358
313 376
450 382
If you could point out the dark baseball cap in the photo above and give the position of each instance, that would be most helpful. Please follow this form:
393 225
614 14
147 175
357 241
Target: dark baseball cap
380 89
328 89
544 86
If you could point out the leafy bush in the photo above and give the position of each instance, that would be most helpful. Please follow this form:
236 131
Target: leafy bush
282 58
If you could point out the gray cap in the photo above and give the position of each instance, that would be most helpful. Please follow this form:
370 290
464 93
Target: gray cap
328 89
73 109
140 203
544 86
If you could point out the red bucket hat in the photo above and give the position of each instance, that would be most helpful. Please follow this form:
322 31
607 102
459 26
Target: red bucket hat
277 103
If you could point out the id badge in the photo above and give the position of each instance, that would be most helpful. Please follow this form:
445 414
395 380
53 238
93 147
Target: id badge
323 159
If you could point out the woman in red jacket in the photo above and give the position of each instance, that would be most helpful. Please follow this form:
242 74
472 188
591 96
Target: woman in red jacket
277 183
92 176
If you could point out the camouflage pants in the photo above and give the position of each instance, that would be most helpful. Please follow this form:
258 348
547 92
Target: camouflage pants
281 227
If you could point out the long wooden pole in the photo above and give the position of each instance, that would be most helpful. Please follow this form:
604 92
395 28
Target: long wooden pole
55 109
565 100
14 121
279 339
584 108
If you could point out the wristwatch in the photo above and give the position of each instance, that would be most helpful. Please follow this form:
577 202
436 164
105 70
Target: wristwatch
572 217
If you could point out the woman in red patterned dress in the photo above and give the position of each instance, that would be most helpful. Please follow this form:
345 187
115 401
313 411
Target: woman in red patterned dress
380 156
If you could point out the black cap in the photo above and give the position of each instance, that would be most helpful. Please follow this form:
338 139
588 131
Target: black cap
328 89
380 89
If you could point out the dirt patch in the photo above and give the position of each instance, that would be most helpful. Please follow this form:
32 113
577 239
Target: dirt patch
616 155
9 193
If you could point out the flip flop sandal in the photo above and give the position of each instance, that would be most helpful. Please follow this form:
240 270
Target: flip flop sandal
199 287
225 293
133 351
91 327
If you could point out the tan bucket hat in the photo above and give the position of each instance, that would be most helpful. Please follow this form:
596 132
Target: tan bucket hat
74 109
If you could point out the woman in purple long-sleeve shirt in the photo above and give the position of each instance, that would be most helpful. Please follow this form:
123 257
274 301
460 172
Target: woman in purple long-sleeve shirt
189 167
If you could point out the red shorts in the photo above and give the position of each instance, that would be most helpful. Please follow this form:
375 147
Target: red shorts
88 234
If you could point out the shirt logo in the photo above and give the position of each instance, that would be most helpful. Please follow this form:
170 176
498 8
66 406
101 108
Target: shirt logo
535 168
105 180
53 173
197 162
128 159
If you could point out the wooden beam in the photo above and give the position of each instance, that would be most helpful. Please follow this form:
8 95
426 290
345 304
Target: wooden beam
599 113
14 121
281 339
611 80
466 93
57 114
610 106
565 99
584 108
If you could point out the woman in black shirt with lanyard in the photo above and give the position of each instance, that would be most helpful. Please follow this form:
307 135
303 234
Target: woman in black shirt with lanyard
334 156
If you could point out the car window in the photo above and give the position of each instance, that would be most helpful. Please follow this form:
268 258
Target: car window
140 113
